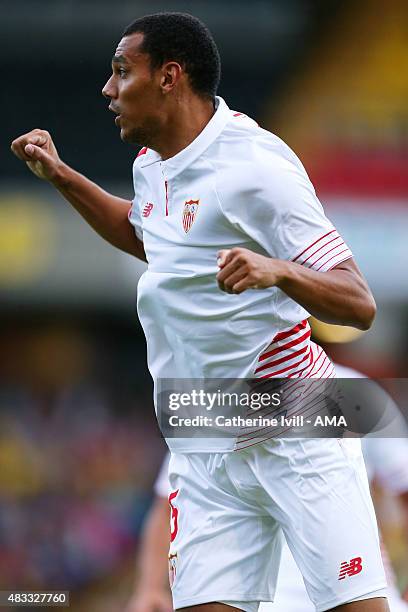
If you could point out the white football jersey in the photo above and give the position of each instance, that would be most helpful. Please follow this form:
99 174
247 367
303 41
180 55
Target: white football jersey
235 185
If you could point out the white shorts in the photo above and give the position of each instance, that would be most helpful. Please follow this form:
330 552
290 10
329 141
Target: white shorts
291 595
229 511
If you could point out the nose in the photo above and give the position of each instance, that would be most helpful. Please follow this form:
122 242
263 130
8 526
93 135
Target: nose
108 90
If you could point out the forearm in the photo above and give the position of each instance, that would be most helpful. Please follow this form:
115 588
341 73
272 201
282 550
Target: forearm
104 212
404 506
339 296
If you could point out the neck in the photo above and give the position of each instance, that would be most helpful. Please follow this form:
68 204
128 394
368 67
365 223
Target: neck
186 121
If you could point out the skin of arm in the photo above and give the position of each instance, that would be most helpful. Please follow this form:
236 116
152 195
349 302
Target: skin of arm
104 212
151 592
340 296
404 505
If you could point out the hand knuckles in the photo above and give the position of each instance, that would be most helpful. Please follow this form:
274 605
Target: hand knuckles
242 258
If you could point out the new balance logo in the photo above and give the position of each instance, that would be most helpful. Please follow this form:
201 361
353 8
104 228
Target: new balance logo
350 569
147 209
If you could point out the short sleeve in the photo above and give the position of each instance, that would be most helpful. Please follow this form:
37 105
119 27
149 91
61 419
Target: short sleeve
134 211
273 201
162 485
135 220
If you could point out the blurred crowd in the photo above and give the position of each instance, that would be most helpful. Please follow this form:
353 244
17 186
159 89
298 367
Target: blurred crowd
76 468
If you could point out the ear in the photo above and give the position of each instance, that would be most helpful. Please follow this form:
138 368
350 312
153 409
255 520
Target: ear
171 75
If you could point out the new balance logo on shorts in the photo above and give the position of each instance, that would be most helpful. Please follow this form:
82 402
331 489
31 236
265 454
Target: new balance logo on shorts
350 569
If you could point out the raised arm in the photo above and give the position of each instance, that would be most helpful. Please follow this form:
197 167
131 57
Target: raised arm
104 212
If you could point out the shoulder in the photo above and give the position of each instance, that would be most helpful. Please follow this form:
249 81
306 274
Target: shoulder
244 143
250 159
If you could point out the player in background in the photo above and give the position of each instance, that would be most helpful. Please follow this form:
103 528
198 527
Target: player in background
240 253
151 591
386 461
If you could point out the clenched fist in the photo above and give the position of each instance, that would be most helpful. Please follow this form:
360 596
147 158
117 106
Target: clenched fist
241 269
38 151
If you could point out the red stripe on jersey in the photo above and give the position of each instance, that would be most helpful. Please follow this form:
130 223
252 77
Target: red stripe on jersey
238 114
294 365
286 346
167 197
142 152
326 253
315 364
329 364
314 372
302 373
336 263
295 336
272 364
313 243
285 334
320 248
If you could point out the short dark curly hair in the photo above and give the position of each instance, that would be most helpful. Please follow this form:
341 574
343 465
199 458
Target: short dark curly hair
184 39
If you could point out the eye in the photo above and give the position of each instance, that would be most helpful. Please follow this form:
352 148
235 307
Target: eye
122 72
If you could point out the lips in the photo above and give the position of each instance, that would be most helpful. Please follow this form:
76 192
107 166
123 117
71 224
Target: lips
117 118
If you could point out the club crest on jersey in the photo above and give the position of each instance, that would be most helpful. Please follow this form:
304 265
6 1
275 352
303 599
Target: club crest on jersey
189 213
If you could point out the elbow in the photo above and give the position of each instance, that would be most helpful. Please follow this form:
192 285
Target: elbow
366 314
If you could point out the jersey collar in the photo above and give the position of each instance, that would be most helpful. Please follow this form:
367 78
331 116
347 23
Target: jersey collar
175 165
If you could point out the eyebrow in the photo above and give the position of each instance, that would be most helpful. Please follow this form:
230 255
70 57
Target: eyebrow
119 59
